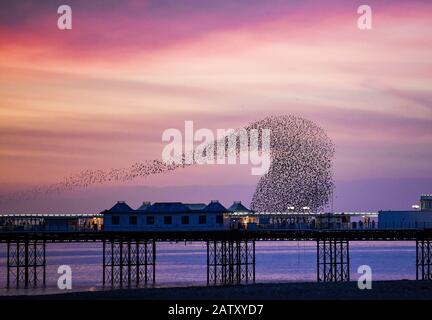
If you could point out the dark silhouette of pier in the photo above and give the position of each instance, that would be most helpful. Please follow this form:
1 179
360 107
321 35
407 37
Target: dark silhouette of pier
130 258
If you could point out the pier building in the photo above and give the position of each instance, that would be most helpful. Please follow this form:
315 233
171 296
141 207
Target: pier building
178 216
167 216
419 217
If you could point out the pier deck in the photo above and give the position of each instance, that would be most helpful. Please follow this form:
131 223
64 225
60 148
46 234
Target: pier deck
259 235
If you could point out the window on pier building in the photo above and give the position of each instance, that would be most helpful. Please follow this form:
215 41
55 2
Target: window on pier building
219 219
133 220
202 219
167 220
115 220
150 220
185 219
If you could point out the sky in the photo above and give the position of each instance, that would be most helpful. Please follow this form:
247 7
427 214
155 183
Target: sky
100 95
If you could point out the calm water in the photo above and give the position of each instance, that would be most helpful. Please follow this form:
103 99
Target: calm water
184 265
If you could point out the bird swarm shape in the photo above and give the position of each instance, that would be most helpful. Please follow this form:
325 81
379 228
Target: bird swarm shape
300 173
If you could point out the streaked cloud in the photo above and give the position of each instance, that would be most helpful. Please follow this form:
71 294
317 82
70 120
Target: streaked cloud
101 94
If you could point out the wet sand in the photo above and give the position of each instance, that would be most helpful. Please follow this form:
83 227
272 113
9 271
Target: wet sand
381 290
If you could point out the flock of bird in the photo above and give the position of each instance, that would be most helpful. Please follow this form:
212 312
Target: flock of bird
300 172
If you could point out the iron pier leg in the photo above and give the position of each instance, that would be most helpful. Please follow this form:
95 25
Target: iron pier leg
18 262
130 261
423 259
215 257
239 261
154 262
246 261
112 262
348 261
44 263
34 264
333 260
26 263
103 262
121 262
417 260
137 262
8 266
208 262
253 260
230 262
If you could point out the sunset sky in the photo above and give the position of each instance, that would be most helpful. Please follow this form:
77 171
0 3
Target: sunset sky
100 95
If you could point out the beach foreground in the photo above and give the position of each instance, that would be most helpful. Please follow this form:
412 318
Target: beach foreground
381 290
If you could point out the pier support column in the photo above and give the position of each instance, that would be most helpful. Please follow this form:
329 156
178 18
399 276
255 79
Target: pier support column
333 260
230 262
26 263
128 263
423 259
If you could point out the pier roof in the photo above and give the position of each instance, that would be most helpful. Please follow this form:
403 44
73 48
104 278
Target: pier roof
173 207
215 206
120 206
195 206
167 207
238 207
144 206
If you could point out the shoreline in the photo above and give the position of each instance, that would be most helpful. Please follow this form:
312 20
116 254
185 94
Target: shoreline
381 290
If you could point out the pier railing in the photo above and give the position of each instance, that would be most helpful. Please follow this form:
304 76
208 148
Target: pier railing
38 228
250 227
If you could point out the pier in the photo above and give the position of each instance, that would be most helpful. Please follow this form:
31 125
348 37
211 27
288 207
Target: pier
130 258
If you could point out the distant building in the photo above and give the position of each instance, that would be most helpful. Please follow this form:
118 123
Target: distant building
167 216
408 218
426 202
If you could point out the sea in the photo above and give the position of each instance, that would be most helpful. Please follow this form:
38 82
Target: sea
184 264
